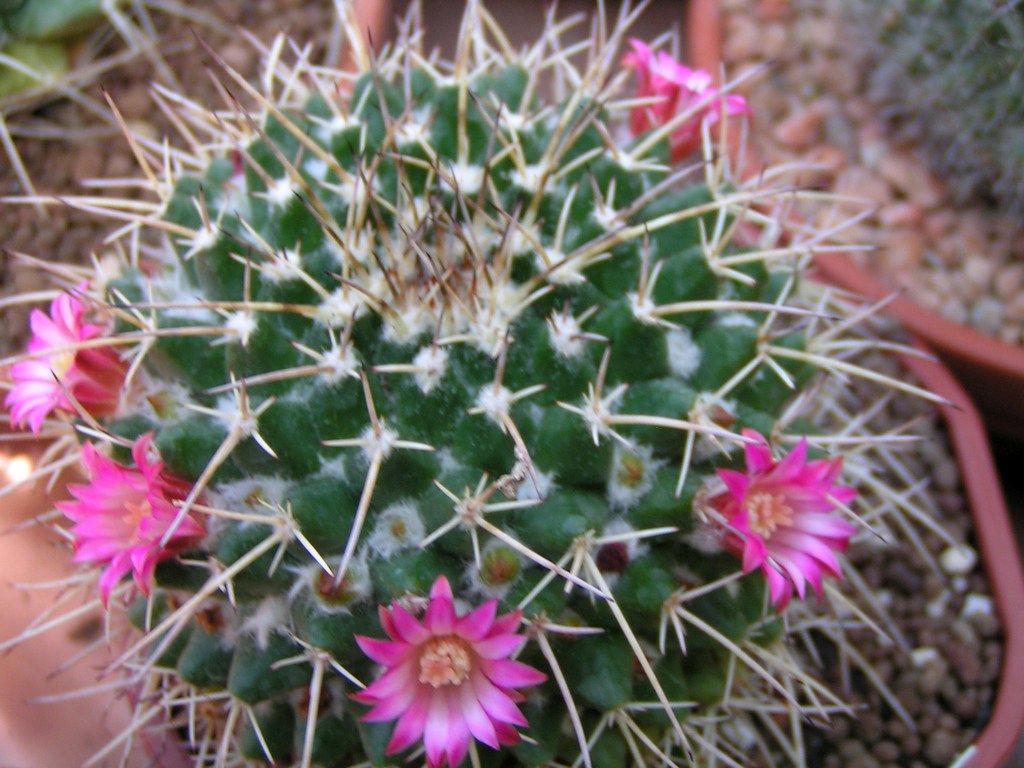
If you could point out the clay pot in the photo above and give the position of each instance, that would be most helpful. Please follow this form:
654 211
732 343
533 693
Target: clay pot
993 372
997 543
32 555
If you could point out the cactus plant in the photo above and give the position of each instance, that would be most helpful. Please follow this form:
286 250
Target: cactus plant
950 78
435 415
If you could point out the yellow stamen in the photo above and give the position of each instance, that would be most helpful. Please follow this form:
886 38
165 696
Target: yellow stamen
445 661
61 363
766 512
136 513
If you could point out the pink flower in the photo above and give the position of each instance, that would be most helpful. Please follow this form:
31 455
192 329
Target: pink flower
779 515
679 89
124 512
60 367
448 677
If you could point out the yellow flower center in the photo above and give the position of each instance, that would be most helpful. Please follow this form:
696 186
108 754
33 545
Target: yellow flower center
136 513
445 661
766 512
61 363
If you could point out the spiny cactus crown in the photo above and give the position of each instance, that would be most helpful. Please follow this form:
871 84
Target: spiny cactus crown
426 338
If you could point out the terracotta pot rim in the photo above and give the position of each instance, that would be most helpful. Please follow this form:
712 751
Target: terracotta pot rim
988 353
996 537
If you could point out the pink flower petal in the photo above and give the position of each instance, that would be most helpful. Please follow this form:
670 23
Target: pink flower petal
736 482
678 95
477 623
111 576
390 708
755 553
391 683
507 735
437 730
61 371
779 587
504 625
479 723
496 703
809 546
439 619
507 673
758 455
121 516
448 680
407 628
780 517
499 646
410 726
383 652
796 567
458 731
819 524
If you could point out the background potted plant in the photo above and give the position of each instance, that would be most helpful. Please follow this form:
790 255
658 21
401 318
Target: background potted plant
870 108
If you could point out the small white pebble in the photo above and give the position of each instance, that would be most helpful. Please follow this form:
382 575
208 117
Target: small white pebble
979 270
960 584
987 314
977 605
1008 280
958 560
924 655
954 311
937 608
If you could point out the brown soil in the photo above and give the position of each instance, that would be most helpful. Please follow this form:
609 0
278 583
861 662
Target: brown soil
946 675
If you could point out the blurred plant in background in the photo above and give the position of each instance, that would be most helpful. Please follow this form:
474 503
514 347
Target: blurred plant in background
950 77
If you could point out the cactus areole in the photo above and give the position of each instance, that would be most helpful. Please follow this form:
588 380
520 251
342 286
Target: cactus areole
423 424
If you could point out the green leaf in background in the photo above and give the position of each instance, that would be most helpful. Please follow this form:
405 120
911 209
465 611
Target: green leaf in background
51 20
47 60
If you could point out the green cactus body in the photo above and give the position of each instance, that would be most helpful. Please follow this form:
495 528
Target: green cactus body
402 284
440 326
